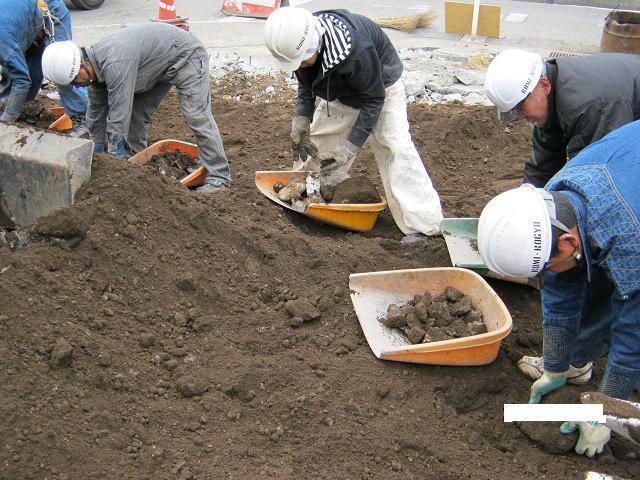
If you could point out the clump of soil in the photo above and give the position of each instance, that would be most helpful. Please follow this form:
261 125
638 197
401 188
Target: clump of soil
174 164
36 114
426 319
353 190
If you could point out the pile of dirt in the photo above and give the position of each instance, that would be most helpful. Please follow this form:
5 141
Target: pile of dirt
181 335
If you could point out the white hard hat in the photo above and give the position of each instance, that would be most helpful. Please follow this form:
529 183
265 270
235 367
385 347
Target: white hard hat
61 62
515 231
291 35
511 76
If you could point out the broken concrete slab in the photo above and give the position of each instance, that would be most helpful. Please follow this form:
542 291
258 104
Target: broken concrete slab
40 172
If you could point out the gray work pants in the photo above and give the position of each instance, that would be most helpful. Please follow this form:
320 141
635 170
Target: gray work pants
192 83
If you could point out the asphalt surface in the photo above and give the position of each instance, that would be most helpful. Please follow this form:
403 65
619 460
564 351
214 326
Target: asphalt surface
538 26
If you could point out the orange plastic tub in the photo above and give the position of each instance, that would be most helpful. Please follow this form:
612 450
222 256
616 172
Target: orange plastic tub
194 179
372 293
63 123
360 217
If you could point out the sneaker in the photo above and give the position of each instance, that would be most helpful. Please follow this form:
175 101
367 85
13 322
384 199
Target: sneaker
80 128
413 238
212 188
533 367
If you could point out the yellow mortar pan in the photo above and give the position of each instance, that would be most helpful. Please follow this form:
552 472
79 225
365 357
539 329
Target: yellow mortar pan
194 179
372 293
357 217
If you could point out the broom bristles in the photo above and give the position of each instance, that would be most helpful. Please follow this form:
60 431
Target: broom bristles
408 23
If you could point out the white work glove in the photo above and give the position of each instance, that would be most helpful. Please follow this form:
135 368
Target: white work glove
301 144
593 436
337 158
548 382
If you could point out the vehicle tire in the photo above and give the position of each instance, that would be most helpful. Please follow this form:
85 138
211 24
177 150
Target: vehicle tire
86 4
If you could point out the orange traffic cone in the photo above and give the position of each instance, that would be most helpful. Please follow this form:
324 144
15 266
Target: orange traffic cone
167 14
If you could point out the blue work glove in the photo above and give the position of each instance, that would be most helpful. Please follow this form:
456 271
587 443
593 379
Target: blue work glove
337 158
99 148
593 436
548 382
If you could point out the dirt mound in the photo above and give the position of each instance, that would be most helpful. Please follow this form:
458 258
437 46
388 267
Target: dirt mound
162 344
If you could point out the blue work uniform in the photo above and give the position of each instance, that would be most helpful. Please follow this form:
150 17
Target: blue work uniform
595 309
22 41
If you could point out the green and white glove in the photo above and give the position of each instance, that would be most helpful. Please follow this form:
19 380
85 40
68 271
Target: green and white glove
301 144
593 436
548 382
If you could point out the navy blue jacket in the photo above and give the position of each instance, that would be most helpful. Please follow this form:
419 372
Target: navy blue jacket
355 68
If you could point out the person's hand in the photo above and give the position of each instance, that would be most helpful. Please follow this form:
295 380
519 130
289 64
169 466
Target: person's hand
545 384
593 436
337 158
301 144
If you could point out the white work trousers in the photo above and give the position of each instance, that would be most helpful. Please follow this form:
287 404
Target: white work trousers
414 203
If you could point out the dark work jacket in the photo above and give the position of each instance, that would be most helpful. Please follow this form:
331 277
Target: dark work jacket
359 80
590 97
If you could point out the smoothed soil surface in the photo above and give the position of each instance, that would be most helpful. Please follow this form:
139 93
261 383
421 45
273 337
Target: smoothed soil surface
148 332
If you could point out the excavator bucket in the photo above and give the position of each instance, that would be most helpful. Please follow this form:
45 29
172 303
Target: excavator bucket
39 172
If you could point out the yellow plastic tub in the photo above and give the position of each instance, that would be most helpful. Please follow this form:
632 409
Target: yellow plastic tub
194 179
358 217
372 293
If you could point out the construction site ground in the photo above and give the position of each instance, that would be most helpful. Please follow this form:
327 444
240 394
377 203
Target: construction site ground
144 334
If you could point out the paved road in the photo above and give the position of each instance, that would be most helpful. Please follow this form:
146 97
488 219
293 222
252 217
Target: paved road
542 27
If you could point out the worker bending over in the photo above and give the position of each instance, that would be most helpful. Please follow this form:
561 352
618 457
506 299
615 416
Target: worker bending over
128 74
582 233
349 62
25 31
572 102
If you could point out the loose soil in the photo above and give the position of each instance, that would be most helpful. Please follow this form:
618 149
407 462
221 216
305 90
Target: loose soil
174 164
149 333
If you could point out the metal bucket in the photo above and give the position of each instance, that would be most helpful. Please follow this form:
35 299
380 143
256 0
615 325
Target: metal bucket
621 32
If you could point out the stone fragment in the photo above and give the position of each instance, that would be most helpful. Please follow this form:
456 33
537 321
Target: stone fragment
415 335
473 316
476 328
303 309
461 307
190 387
61 354
440 312
453 294
413 322
395 317
293 191
435 334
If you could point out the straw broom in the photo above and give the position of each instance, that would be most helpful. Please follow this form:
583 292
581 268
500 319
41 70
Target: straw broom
408 23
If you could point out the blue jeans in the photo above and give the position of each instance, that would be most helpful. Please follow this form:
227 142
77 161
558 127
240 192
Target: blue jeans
74 100
584 321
